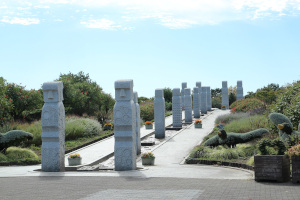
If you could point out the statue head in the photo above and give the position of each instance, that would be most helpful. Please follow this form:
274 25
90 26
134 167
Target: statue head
53 91
124 90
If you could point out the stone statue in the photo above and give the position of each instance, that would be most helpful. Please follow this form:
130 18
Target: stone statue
208 94
188 105
53 128
159 113
239 90
198 85
138 123
125 126
183 86
225 98
176 108
196 107
203 100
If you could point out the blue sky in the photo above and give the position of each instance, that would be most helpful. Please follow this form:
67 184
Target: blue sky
157 43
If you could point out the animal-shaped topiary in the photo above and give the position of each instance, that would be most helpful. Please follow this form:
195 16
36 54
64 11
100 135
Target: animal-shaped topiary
13 138
231 139
284 125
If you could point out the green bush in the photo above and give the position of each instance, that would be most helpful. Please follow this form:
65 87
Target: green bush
15 153
288 103
246 124
3 157
216 102
247 105
76 127
230 117
168 106
14 137
147 111
35 128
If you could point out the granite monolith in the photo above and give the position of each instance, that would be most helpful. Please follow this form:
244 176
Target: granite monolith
176 108
208 94
183 86
159 113
124 126
196 108
188 105
53 128
198 85
138 123
225 98
203 100
239 90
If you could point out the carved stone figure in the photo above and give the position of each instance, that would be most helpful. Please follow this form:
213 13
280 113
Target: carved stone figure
183 86
198 85
203 100
138 123
125 126
239 90
208 94
225 98
196 107
188 105
176 108
159 113
53 128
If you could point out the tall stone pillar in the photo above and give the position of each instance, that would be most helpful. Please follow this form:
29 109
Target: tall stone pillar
198 85
176 108
239 90
138 123
53 128
124 126
208 94
225 98
183 86
188 105
203 100
159 113
196 107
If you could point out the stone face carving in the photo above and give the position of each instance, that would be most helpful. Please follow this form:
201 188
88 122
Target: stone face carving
203 100
183 86
53 128
138 123
125 126
239 90
198 85
196 107
159 113
208 94
225 98
188 105
176 108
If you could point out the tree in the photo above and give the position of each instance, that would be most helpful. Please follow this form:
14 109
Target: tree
82 95
168 94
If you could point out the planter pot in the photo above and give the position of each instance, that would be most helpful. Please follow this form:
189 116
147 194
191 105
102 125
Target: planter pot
149 126
198 125
272 168
148 161
223 108
74 161
296 169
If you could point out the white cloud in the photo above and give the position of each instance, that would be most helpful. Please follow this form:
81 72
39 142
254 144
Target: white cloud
22 21
173 14
101 24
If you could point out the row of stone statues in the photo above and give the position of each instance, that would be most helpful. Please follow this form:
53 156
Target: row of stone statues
126 119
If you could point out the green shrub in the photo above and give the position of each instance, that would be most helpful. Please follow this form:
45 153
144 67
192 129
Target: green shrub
76 127
230 117
288 103
15 153
250 161
247 124
3 157
247 105
13 138
147 111
168 106
36 129
216 102
265 145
